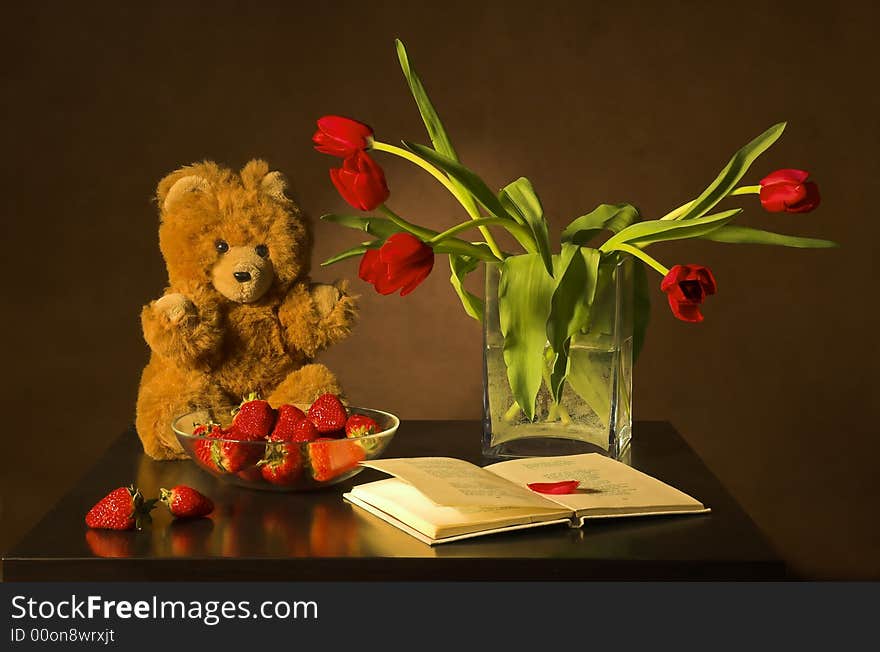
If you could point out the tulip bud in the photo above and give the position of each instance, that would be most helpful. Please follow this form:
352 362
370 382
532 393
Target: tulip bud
686 287
789 191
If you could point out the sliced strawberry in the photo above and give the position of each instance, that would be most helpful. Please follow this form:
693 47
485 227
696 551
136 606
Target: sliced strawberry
328 413
186 502
123 508
253 419
330 458
282 464
359 425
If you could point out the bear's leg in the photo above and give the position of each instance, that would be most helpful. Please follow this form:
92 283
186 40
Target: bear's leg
305 385
165 393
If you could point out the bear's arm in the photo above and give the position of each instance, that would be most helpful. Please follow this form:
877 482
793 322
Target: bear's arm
315 315
176 329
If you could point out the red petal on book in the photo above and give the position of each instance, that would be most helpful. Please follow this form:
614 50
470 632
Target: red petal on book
564 487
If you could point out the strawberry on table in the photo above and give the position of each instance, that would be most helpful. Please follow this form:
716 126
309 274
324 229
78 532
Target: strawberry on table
253 419
359 425
328 414
123 508
330 458
282 464
186 502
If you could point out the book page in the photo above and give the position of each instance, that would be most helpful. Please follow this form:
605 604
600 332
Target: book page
451 482
608 487
405 503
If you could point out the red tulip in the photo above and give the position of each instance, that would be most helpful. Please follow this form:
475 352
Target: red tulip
360 181
686 287
789 191
401 263
341 137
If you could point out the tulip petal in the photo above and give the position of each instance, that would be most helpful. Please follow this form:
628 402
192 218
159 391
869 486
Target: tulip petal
558 488
686 287
684 311
787 175
809 202
777 197
416 279
342 128
370 265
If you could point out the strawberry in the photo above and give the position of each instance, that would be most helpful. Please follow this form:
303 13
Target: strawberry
328 413
234 456
359 425
282 464
186 502
203 447
330 458
216 453
123 508
304 430
289 416
253 419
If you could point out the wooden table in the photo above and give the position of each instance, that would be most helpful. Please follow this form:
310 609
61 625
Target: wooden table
256 535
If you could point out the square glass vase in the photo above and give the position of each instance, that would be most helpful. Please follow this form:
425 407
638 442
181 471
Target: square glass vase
594 414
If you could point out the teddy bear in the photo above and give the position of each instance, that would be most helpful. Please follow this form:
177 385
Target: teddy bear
240 313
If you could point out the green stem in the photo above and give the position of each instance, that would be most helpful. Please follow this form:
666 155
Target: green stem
451 187
516 229
641 255
454 244
681 210
422 233
678 212
745 190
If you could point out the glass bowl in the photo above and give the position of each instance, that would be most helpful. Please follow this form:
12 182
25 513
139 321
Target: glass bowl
308 465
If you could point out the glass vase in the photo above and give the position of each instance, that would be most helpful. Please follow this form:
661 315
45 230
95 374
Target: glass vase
594 414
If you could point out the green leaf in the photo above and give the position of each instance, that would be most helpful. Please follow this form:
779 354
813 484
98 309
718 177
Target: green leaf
377 226
351 253
611 217
586 375
645 233
459 173
641 307
744 235
732 173
520 200
524 293
460 267
577 274
436 131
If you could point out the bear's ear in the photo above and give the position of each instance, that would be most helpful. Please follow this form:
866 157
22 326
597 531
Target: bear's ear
255 174
274 184
182 187
190 178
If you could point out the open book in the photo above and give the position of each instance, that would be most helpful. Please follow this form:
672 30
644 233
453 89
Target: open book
440 499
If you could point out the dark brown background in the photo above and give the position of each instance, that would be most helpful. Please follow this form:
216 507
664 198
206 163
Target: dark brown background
595 102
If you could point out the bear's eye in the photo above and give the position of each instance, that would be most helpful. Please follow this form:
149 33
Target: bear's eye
221 246
262 251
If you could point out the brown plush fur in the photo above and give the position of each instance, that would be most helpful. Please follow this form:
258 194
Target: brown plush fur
215 338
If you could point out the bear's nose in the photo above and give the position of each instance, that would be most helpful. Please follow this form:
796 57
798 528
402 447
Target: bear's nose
242 277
